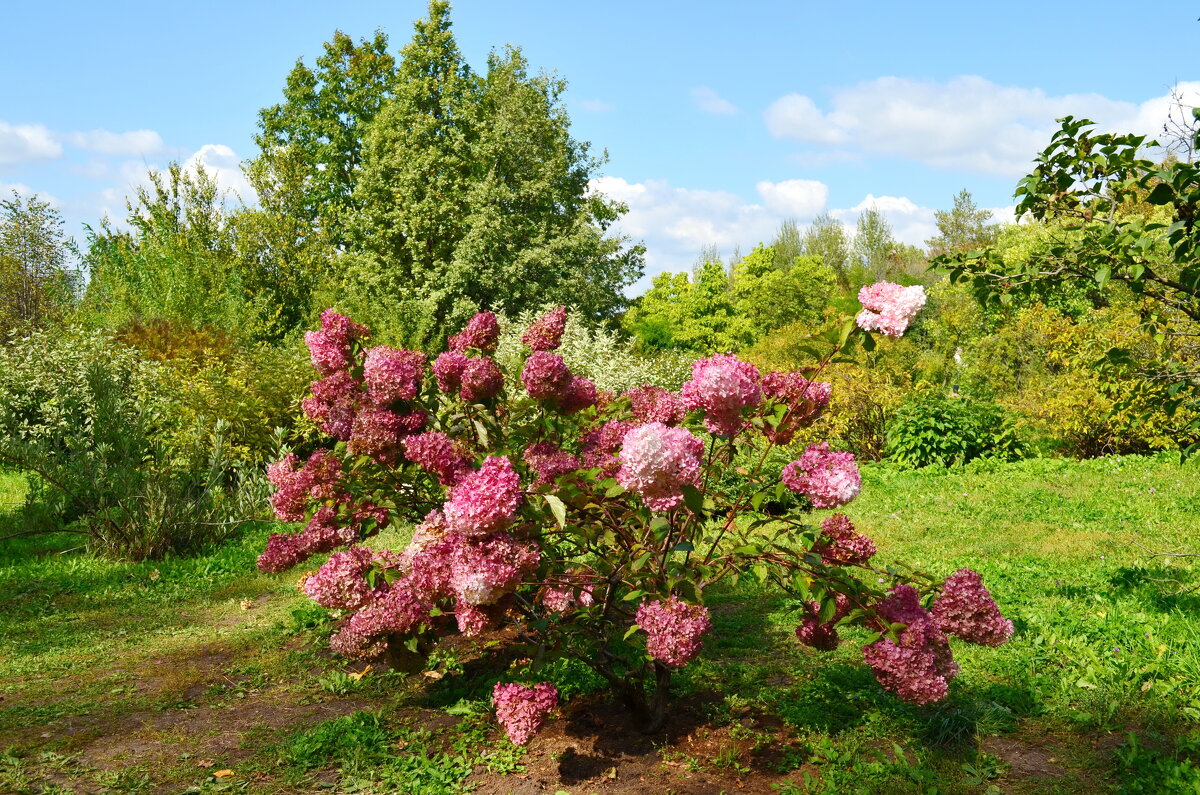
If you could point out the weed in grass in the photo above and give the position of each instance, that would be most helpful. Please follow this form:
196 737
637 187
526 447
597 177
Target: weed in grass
1143 770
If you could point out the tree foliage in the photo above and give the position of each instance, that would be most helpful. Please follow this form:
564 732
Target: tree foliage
37 282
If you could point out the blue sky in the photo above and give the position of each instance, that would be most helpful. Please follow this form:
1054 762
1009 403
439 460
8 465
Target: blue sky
720 119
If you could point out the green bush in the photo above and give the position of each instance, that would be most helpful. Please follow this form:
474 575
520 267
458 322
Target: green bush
937 429
75 416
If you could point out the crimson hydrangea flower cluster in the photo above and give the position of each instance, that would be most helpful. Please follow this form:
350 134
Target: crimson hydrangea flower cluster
549 462
725 388
841 545
437 453
804 400
888 307
967 610
522 710
822 636
674 629
826 477
482 333
485 501
655 404
657 461
546 333
918 667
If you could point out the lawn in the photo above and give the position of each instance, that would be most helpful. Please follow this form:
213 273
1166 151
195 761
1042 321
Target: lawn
200 674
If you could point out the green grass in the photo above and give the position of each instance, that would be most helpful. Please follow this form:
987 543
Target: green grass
1099 690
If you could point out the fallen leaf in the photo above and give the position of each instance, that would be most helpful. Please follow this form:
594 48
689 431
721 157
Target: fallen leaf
247 604
358 676
434 675
223 773
154 575
204 763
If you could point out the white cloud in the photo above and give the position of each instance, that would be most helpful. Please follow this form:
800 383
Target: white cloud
220 162
910 222
597 106
24 143
799 198
146 143
968 123
710 101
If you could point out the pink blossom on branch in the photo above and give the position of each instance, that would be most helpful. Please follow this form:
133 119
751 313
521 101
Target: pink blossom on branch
918 667
482 333
522 710
485 501
657 461
840 544
827 478
599 446
436 452
579 395
674 629
330 347
481 380
341 584
546 376
724 387
889 308
546 332
805 401
967 610
448 369
822 636
392 375
397 611
655 404
549 462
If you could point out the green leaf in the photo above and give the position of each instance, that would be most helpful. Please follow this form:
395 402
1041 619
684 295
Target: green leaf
636 594
629 632
558 508
1162 194
614 491
693 499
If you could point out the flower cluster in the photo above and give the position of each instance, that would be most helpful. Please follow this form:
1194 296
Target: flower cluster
966 610
827 478
549 462
804 400
888 307
561 598
724 387
841 545
546 333
481 380
655 404
918 667
333 403
599 446
317 479
448 370
436 453
322 534
822 636
674 629
522 710
656 461
330 347
398 610
482 333
546 376
341 584
486 500
392 375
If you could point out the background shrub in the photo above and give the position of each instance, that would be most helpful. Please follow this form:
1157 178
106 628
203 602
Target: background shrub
939 429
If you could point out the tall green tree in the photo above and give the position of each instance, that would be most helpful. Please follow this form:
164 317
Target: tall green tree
37 280
962 228
826 239
874 245
474 195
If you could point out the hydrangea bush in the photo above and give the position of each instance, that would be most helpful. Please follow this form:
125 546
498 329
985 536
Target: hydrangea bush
591 524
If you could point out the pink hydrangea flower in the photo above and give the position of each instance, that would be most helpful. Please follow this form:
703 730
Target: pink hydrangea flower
430 531
436 452
483 571
805 400
522 710
472 620
448 369
827 478
481 380
967 610
549 462
396 611
322 534
889 307
485 501
392 375
657 460
376 433
318 479
482 333
333 404
812 632
546 333
580 394
599 446
918 668
674 629
545 376
560 599
655 404
341 584
841 544
724 387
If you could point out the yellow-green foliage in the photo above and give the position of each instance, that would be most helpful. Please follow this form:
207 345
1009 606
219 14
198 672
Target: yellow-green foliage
1044 366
